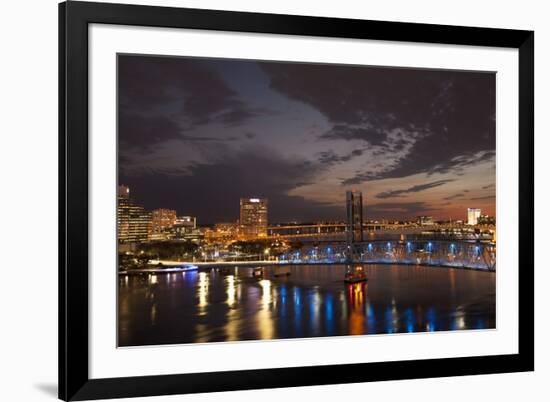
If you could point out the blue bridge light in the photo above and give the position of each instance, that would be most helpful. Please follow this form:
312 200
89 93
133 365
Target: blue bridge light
425 252
478 250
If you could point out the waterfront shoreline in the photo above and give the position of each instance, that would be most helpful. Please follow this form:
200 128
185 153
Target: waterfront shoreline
266 264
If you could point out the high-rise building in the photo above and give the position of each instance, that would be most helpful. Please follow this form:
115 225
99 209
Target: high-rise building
162 219
253 218
133 223
354 209
473 215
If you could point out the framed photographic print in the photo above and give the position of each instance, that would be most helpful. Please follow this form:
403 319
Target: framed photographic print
257 201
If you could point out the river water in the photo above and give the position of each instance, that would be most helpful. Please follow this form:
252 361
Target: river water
231 304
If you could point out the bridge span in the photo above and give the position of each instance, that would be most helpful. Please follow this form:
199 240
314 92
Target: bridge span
328 232
440 253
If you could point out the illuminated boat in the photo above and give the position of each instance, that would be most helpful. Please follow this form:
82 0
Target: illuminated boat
178 268
354 274
162 269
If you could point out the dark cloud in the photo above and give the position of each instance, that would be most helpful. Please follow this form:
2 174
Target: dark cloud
203 138
401 169
458 163
330 157
487 197
213 114
357 179
136 131
492 185
367 133
171 95
454 196
450 114
413 189
212 191
237 115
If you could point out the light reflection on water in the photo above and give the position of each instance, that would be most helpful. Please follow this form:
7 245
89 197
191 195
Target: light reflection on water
231 304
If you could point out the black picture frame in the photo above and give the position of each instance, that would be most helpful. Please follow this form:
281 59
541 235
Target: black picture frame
74 18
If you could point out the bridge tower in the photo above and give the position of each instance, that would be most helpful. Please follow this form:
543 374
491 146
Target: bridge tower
354 227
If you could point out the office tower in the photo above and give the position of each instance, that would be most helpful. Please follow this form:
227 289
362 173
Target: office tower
253 218
133 223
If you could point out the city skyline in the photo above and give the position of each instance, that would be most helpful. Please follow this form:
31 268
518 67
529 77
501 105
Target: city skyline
196 134
176 218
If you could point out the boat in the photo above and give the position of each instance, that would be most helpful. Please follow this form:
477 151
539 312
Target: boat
162 269
355 274
177 268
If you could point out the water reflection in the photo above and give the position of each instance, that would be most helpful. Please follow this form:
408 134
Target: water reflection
203 292
357 316
230 279
265 321
237 304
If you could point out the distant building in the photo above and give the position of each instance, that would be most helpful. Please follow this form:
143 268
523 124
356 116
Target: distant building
228 231
162 219
354 210
189 221
222 232
486 220
133 223
473 215
186 232
166 234
253 218
425 220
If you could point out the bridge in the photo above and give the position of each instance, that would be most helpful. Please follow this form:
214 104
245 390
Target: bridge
445 253
474 250
337 231
440 253
322 228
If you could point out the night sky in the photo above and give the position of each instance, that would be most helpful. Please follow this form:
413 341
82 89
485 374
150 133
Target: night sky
197 134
